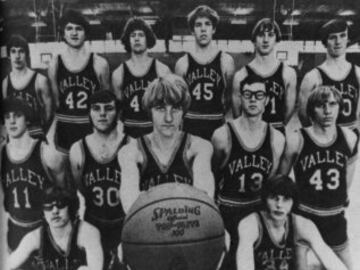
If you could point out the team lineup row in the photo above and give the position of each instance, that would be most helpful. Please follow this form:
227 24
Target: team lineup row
154 127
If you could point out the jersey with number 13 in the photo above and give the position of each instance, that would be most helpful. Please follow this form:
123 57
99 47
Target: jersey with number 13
320 173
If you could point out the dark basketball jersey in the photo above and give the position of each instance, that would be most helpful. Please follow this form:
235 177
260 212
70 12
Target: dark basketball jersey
206 85
133 92
75 88
245 170
349 89
177 170
320 173
101 183
28 94
52 257
275 86
24 183
269 254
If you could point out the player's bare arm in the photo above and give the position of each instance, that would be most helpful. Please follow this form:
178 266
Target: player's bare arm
221 144
308 232
310 81
4 86
352 141
162 69
290 79
228 68
52 75
28 245
182 65
235 96
42 88
357 72
248 234
202 151
89 238
117 80
76 158
102 70
278 146
292 146
129 158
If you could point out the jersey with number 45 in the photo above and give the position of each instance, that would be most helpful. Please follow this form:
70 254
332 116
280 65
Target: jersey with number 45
320 173
206 85
75 88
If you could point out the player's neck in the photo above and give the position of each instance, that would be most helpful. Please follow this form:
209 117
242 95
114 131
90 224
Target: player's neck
22 142
76 52
267 60
19 72
140 58
275 224
106 136
61 233
253 123
207 50
336 61
324 132
164 142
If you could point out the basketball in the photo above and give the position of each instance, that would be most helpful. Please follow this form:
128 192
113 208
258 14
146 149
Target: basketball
173 226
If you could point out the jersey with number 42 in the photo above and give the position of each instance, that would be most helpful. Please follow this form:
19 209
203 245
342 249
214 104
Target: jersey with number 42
320 173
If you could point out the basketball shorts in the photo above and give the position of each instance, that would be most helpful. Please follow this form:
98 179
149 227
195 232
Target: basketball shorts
202 128
15 233
137 132
68 133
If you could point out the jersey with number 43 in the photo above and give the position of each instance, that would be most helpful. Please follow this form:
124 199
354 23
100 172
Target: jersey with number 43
206 85
320 173
75 88
101 182
245 170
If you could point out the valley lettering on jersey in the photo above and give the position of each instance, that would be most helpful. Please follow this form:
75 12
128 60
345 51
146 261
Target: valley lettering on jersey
78 82
321 157
135 86
109 174
24 175
250 161
207 73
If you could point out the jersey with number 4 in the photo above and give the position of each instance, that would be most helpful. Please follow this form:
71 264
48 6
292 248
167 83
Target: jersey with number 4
245 170
75 88
206 85
349 89
101 182
133 92
275 86
320 173
24 182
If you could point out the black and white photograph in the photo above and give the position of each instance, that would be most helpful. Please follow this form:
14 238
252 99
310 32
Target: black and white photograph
179 135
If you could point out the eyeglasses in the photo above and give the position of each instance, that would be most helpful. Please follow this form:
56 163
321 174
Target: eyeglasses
259 95
50 206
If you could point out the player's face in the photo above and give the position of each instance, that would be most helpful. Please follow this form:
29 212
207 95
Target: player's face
166 119
74 35
253 99
56 214
337 43
15 124
103 116
279 206
138 41
17 58
325 115
203 31
265 42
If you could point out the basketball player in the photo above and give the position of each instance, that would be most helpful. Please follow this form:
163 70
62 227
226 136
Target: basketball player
75 75
268 237
131 78
247 151
28 167
280 79
97 173
63 241
208 73
167 154
323 159
29 85
334 71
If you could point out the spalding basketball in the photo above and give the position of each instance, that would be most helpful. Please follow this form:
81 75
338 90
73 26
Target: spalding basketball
173 227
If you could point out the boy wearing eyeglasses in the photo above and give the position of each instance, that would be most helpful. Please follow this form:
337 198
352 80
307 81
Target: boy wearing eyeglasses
247 150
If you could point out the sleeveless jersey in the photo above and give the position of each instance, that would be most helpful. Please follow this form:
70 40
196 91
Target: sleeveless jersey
320 173
242 176
154 173
349 89
51 257
24 183
207 86
275 86
28 94
101 183
269 254
75 88
133 92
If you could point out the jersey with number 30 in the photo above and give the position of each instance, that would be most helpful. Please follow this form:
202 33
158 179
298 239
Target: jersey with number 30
245 170
320 173
75 88
206 85
101 182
